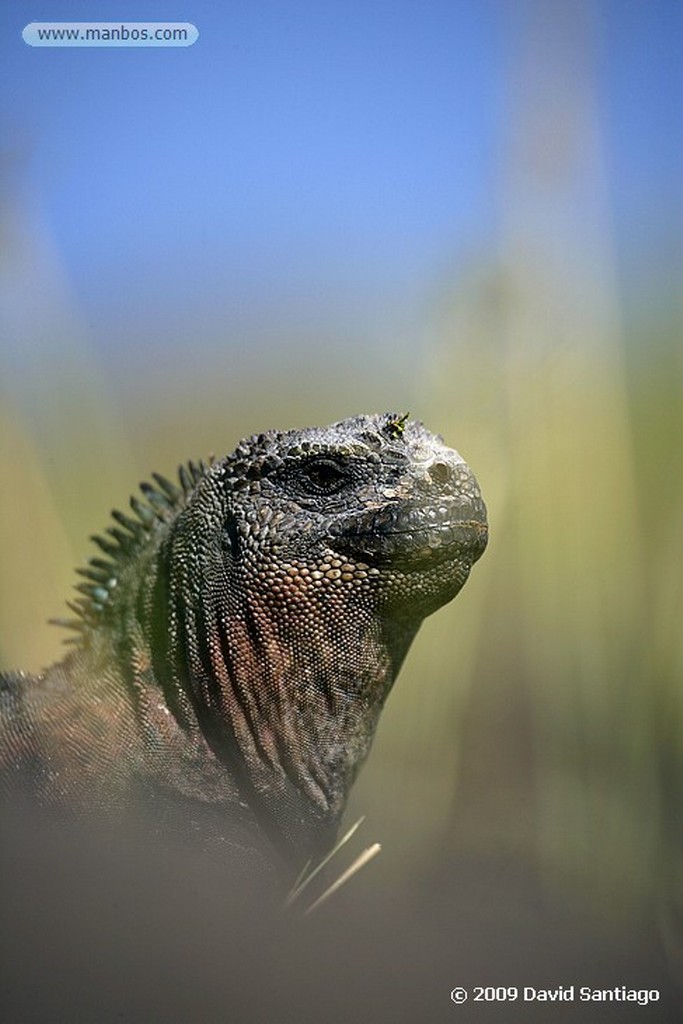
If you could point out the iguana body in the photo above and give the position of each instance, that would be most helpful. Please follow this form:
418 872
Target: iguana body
236 646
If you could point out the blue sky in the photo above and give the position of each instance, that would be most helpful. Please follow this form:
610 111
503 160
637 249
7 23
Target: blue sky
309 161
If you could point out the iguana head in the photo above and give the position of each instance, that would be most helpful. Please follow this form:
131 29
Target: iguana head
374 507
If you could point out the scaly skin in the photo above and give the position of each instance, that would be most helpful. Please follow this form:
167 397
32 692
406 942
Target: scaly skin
235 649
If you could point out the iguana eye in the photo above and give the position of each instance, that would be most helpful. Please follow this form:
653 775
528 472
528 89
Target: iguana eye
323 476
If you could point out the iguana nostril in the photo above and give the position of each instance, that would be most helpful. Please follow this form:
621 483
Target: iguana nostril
440 472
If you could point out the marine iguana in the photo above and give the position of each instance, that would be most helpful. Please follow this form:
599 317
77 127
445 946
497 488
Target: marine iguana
235 647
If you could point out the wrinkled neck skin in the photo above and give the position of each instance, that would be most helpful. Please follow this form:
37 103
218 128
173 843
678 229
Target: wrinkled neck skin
294 706
285 689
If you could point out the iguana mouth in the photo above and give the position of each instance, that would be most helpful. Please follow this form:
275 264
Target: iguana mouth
445 541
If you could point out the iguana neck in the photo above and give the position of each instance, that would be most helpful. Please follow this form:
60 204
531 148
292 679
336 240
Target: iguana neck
286 692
